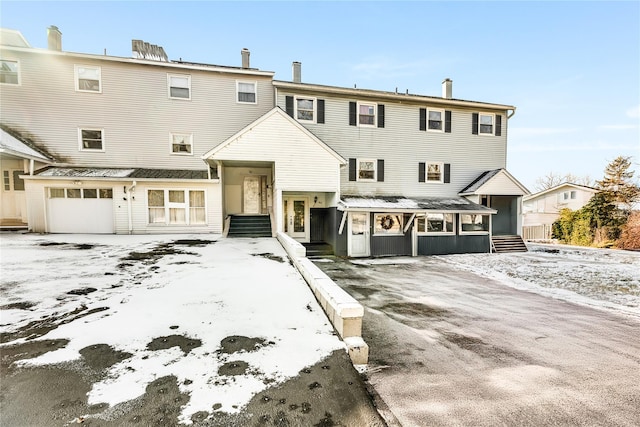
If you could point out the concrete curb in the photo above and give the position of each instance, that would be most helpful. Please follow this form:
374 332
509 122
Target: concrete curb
344 312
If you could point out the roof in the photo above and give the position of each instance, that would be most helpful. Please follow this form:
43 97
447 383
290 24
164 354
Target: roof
393 96
117 173
12 38
495 182
559 186
12 143
401 203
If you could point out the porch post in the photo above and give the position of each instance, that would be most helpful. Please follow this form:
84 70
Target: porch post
277 209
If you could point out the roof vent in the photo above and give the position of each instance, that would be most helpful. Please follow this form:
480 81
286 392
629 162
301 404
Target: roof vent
144 50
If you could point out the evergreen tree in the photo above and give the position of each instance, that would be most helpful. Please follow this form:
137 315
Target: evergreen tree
618 186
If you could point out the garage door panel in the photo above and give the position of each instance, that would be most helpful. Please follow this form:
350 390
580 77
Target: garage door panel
93 216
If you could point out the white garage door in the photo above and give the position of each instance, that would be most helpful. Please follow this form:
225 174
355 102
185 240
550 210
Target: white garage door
80 210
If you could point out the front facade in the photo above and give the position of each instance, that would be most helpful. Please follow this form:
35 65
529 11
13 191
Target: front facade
148 145
542 209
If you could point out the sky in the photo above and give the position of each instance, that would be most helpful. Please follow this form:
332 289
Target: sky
571 68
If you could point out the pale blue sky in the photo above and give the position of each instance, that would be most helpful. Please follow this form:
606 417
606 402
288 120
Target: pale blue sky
571 68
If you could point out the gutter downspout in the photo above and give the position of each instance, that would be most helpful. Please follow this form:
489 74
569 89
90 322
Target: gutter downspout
512 113
128 192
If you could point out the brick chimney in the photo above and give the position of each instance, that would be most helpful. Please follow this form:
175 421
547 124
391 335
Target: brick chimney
447 88
54 38
296 70
245 57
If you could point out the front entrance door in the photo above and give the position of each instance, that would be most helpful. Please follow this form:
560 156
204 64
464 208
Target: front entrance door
296 218
359 234
251 195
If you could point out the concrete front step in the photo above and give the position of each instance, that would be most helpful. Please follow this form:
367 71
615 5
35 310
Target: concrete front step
504 244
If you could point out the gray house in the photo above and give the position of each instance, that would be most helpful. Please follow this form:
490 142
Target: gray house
149 145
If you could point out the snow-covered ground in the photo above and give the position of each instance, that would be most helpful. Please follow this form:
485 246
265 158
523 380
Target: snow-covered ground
601 278
227 317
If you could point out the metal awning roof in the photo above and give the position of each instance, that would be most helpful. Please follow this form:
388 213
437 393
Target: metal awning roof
116 173
411 205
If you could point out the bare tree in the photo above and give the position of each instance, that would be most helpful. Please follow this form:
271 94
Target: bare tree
553 179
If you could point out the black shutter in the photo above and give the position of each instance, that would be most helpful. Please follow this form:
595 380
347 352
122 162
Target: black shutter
352 114
380 170
423 119
474 124
447 173
498 125
421 172
320 111
289 105
380 115
447 121
352 169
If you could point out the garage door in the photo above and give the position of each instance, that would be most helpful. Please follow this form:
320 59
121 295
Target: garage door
80 210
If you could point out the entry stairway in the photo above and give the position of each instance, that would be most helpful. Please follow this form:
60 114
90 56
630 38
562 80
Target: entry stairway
502 244
249 226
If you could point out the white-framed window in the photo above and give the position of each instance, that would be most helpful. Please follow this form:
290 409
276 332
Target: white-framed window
474 223
388 223
367 169
88 78
179 86
80 193
11 180
435 120
486 123
9 72
176 207
247 92
366 114
434 172
436 223
91 139
305 109
181 143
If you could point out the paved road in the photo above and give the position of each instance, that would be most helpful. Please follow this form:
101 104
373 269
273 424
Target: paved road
450 348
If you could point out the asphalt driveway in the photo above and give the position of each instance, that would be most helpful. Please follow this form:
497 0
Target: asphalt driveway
449 347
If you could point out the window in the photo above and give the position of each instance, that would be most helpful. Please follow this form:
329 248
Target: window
436 223
367 169
176 207
388 224
81 193
179 86
105 193
91 139
56 193
18 183
366 114
434 172
486 124
305 109
181 143
569 195
89 193
247 92
435 120
474 223
6 181
88 79
9 72
73 193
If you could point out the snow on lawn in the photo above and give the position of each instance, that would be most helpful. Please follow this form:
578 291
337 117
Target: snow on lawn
602 278
172 302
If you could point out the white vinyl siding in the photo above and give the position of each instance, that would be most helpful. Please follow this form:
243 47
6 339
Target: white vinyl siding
401 143
144 87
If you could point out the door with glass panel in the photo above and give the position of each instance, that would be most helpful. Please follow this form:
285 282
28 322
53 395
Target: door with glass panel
359 234
251 195
296 218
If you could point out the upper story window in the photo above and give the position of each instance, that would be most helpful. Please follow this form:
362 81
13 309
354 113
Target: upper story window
568 195
436 120
88 78
367 169
91 139
434 172
9 72
305 109
436 223
486 124
181 143
179 86
247 92
366 114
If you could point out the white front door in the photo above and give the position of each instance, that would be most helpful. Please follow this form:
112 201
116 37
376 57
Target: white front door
251 195
13 197
358 234
296 218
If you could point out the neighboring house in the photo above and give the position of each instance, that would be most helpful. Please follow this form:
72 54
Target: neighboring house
148 145
543 208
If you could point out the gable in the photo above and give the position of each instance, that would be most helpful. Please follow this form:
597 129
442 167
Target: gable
498 182
561 188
